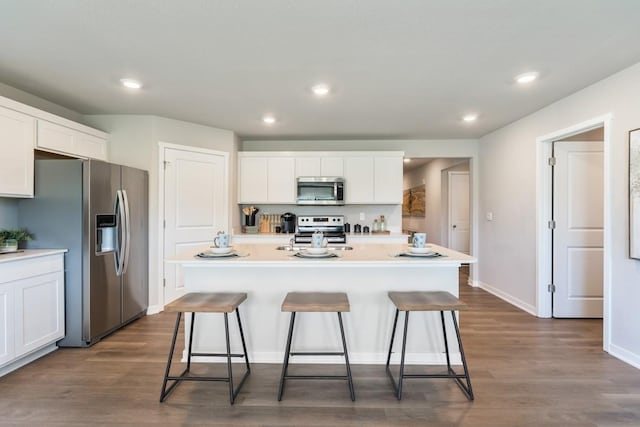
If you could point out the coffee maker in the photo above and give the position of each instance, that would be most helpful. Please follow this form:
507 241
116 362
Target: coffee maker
288 223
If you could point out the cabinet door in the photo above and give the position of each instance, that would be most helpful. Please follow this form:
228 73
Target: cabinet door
90 146
358 173
281 180
61 139
17 137
252 179
39 311
332 166
388 180
7 327
308 166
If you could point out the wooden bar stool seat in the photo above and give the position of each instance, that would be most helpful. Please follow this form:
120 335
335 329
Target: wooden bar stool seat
429 301
315 302
201 302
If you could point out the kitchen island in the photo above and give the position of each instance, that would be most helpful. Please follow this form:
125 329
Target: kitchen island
365 273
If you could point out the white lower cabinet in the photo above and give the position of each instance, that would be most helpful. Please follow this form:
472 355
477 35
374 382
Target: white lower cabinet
31 309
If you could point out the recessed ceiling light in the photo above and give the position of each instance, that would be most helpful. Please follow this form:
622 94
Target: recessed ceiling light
321 89
269 120
131 84
470 117
526 77
407 160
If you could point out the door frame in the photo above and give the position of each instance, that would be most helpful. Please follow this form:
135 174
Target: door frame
161 187
449 225
544 212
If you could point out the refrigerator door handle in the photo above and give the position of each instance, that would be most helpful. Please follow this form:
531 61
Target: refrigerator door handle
127 241
120 240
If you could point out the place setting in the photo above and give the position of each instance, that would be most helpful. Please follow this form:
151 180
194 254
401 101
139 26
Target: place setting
419 248
220 248
318 248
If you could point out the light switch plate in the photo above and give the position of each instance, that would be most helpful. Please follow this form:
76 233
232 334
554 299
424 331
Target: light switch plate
362 216
489 216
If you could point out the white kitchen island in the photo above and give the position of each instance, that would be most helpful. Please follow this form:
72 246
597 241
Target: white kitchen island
365 273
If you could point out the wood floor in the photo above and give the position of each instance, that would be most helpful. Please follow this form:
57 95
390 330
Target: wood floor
525 372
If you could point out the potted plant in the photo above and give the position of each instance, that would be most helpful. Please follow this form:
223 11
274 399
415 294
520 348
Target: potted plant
9 239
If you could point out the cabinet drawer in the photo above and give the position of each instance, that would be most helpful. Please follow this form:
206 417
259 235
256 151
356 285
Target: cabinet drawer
21 269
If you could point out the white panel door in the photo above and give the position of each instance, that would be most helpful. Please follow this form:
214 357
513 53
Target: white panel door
578 209
195 208
459 223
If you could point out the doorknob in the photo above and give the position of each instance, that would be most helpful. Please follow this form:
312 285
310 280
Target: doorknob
454 226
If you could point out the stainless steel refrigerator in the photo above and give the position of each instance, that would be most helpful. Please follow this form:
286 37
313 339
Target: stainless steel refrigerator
99 212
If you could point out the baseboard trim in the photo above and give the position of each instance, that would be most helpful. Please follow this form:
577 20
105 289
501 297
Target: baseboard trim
154 309
506 297
625 355
27 359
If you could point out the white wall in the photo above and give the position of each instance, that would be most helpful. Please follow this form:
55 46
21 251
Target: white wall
41 103
8 213
134 142
508 189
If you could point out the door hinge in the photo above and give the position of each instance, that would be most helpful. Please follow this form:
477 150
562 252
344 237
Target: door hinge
551 287
164 223
552 161
164 283
166 162
552 224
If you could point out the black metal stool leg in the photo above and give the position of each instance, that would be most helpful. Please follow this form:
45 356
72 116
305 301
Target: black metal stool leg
393 335
285 363
404 347
164 393
193 322
346 359
244 346
468 390
229 369
446 341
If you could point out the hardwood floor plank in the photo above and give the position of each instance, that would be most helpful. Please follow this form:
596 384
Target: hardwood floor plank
525 372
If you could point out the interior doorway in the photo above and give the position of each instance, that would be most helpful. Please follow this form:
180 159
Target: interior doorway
545 217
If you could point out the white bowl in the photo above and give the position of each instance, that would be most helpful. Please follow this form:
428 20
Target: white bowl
420 250
220 251
317 251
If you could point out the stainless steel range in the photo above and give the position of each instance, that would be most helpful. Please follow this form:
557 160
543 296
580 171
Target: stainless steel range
331 225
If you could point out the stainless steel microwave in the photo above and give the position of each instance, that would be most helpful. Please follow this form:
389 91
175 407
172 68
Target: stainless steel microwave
320 190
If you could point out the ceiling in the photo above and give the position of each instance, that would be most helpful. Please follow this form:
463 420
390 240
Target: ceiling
407 69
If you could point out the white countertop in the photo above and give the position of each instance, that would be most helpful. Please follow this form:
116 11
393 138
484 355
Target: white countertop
362 255
28 253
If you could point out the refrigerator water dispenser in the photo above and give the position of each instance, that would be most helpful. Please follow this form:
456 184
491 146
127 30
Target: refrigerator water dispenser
105 234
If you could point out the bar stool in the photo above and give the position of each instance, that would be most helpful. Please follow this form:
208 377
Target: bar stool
319 302
428 301
206 303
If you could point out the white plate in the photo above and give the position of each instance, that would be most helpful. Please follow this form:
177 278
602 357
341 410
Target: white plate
305 254
212 255
421 251
220 251
316 251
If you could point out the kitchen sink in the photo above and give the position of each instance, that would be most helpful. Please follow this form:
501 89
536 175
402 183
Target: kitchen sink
299 247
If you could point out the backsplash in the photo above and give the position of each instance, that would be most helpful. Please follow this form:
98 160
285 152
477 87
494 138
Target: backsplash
392 213
8 213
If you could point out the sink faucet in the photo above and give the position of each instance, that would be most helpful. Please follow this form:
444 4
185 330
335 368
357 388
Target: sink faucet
291 241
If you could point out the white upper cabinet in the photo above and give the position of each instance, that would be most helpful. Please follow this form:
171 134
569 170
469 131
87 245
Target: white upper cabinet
308 166
265 179
17 137
320 166
387 179
61 139
370 177
359 178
